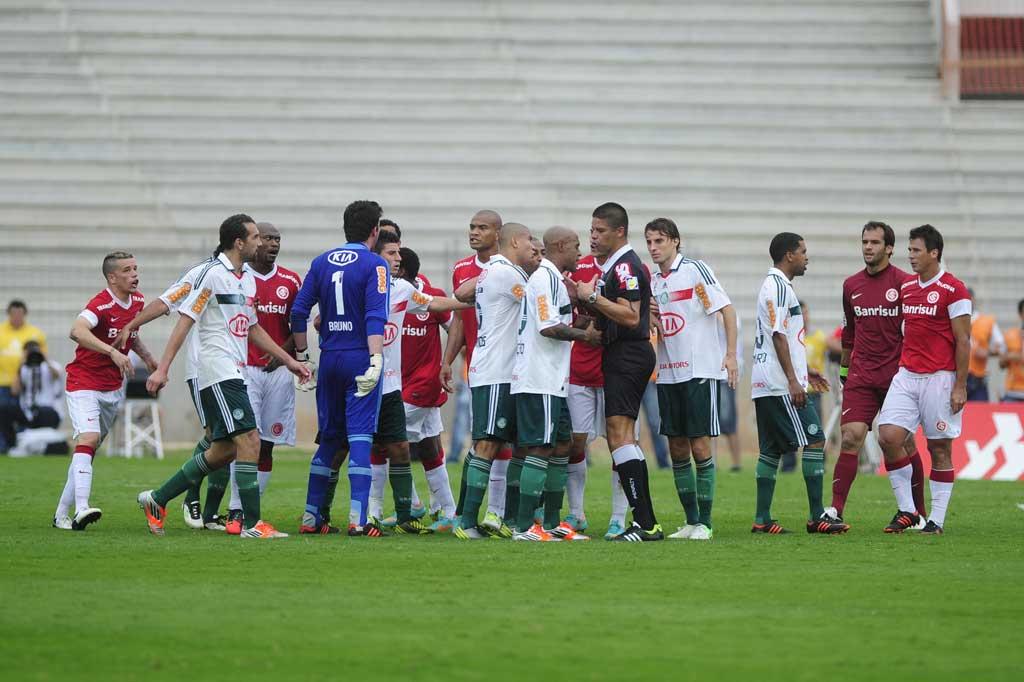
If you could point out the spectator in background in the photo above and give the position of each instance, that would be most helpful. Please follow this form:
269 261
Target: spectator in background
986 341
1012 360
728 415
15 332
37 387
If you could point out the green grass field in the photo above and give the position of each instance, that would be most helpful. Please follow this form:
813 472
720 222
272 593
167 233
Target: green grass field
117 603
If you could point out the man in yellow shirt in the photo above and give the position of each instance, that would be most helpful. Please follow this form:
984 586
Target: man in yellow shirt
14 334
1012 360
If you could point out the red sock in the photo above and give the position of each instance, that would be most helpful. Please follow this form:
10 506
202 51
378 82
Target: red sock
431 464
377 457
842 478
506 453
577 457
265 463
917 483
85 450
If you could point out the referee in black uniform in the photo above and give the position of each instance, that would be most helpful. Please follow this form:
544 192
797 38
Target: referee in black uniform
621 301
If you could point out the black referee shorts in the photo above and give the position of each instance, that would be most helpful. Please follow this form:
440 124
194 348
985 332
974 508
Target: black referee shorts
627 367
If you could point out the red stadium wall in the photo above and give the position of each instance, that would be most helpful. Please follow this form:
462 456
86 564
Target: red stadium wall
992 57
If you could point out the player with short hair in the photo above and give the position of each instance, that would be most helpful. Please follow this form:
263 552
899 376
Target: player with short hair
779 381
930 388
691 361
621 300
221 304
95 380
499 291
872 339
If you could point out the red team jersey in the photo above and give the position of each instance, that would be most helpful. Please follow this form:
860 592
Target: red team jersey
275 294
421 354
928 307
872 327
465 270
92 371
585 361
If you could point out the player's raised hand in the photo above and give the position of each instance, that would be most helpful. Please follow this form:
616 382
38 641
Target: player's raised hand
732 370
302 373
585 289
957 399
570 286
366 381
122 362
593 336
156 381
446 378
308 383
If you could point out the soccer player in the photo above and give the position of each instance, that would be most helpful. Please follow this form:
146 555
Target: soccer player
539 389
268 382
422 393
930 388
95 380
691 361
351 286
621 299
391 439
499 291
779 381
872 339
221 304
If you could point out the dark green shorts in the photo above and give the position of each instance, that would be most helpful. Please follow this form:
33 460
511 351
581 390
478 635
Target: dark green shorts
494 413
227 409
782 427
689 409
541 420
391 420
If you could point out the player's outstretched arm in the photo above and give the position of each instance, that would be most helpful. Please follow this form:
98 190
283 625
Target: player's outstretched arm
81 333
152 311
564 332
442 304
729 364
962 337
158 379
261 338
796 391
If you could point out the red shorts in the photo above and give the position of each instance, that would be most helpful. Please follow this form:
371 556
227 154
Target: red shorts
862 404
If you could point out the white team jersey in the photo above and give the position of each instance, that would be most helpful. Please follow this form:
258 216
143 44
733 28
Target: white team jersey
542 364
404 298
174 297
223 305
778 310
500 289
689 298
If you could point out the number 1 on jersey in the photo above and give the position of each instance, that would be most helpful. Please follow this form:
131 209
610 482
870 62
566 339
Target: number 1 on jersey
339 299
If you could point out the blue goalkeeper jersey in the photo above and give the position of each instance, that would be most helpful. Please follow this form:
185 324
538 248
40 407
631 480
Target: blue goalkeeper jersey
351 285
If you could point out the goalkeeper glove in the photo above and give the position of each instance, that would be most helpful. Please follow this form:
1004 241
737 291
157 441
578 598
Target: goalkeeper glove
368 379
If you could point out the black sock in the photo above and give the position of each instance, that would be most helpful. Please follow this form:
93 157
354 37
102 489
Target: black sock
631 476
647 495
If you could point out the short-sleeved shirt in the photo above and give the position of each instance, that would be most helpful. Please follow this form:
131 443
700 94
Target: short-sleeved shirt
223 305
689 298
421 354
585 362
465 270
1015 371
873 326
174 297
778 311
107 315
275 294
542 363
500 290
405 298
625 276
12 344
928 309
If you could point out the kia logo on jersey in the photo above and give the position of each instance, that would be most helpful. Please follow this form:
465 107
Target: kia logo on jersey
341 258
672 323
282 292
239 325
891 295
390 333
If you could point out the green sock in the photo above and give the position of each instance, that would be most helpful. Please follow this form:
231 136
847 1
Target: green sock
705 489
813 465
766 471
400 476
531 488
462 482
515 469
192 494
332 487
248 492
190 474
554 491
476 485
686 488
216 484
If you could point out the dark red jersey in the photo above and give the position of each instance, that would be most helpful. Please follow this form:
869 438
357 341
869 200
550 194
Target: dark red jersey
275 294
585 361
928 308
872 326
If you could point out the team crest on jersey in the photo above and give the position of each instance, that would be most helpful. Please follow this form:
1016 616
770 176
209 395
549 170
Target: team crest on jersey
422 317
342 258
933 297
239 325
282 292
771 314
518 291
180 293
201 300
891 295
702 295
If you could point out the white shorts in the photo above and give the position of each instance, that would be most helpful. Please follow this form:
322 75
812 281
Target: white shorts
422 422
272 395
922 400
94 411
586 410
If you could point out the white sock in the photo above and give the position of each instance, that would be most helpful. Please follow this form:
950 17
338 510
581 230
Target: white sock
619 502
574 487
941 492
67 497
900 481
81 465
263 478
235 503
378 475
496 487
441 491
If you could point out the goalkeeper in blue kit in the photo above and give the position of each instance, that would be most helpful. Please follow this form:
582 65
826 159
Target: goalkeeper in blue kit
350 284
